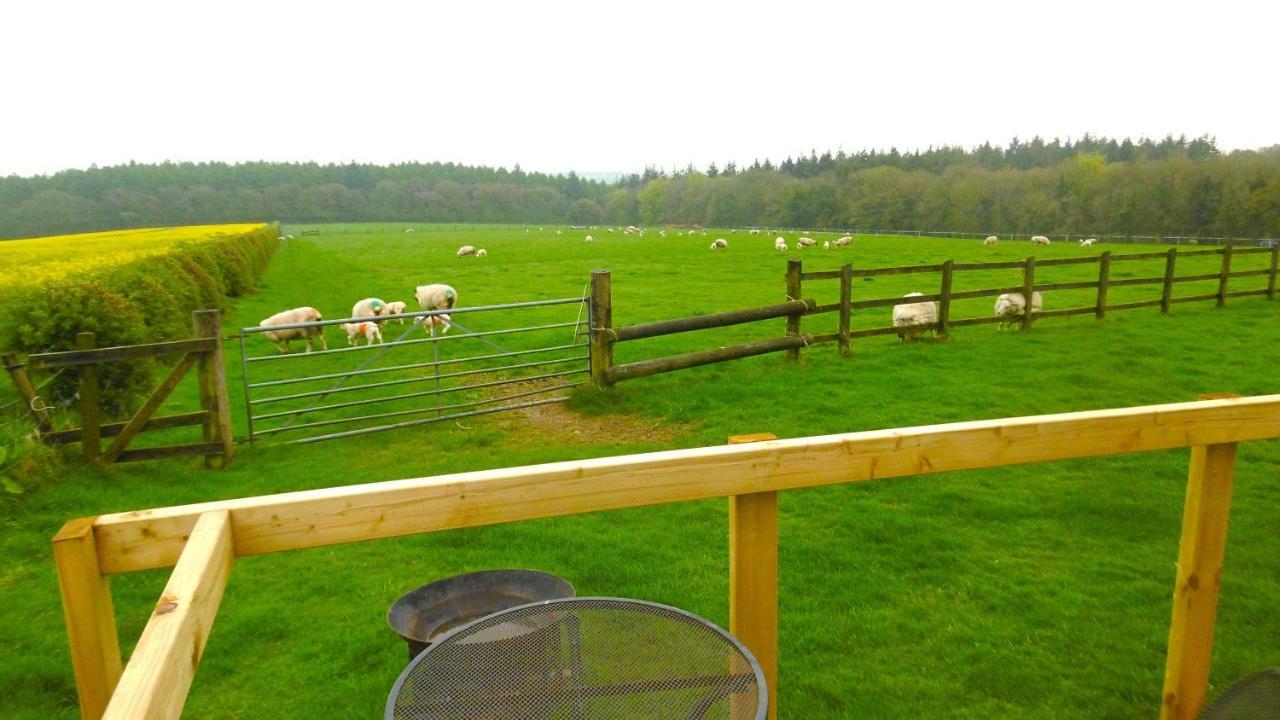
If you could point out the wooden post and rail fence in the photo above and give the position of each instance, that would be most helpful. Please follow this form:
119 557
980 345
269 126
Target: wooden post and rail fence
202 541
203 353
604 335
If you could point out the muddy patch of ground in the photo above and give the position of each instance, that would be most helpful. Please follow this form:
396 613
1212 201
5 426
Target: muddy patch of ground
559 424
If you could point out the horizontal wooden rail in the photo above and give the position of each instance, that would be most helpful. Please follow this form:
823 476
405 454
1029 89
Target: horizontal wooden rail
1137 281
145 539
1067 312
1238 250
991 320
1140 304
168 451
112 429
122 352
872 332
899 270
1045 287
887 302
1153 255
991 292
1055 262
712 320
1197 278
1003 265
645 368
1246 293
1195 298
1249 273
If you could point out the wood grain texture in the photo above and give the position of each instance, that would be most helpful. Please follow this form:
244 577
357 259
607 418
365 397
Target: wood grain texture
90 616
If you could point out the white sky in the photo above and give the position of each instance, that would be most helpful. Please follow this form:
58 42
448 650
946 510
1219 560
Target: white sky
611 86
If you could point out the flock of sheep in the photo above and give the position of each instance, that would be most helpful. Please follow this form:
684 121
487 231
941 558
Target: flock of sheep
913 319
1038 240
430 297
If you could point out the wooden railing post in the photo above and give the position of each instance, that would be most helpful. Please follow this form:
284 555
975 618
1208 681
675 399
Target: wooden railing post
211 379
90 616
846 297
27 391
753 576
601 330
1028 291
1104 277
1199 576
1275 266
793 293
944 302
1166 294
1225 276
90 405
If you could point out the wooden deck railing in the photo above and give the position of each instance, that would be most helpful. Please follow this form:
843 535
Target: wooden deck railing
202 540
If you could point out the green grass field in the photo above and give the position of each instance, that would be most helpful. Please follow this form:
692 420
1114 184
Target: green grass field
1036 591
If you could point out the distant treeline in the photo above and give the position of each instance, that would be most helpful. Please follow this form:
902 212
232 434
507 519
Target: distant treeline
1173 186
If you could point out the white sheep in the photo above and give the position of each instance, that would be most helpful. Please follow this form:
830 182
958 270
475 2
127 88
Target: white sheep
780 244
1088 242
281 338
1011 306
915 318
845 241
805 242
1039 240
396 308
589 239
719 244
826 244
369 307
991 241
409 230
466 250
431 322
436 297
368 330
482 253
754 231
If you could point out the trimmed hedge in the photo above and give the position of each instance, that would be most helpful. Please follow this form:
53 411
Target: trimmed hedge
147 300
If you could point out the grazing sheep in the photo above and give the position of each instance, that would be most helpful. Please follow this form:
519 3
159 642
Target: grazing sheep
280 238
826 244
1039 240
436 297
780 244
589 239
466 250
482 253
431 322
632 229
1088 242
409 230
733 231
368 330
991 241
754 231
719 244
1011 306
915 318
662 233
396 308
805 242
281 338
288 237
369 307
557 232
845 241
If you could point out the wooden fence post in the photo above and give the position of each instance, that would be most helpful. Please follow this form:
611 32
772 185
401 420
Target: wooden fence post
944 302
1199 576
753 576
1166 294
90 405
211 379
846 297
1225 276
1028 291
601 330
1104 277
794 269
90 616
27 391
1275 266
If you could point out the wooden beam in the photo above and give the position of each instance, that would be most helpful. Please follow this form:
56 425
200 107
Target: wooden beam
109 430
27 391
94 356
149 408
90 616
155 682
1166 292
944 302
1104 277
1199 577
846 298
711 320
794 271
753 576
644 368
212 373
1225 276
1028 292
601 330
90 406
1274 270
144 539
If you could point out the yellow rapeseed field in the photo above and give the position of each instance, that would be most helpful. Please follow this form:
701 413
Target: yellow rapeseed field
25 262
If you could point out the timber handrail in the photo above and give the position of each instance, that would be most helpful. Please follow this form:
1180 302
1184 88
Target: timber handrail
711 320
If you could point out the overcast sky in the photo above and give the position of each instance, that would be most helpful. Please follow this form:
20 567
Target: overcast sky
602 86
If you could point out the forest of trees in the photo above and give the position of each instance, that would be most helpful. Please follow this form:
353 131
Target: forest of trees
1173 186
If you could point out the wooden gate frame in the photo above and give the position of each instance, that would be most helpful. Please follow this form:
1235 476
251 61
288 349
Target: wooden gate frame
202 352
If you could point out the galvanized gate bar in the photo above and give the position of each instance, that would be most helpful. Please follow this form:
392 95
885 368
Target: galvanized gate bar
438 338
425 421
419 314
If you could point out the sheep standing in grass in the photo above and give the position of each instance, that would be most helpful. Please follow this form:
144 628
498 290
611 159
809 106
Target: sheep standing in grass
281 338
482 253
589 239
368 330
1010 307
719 244
805 242
396 308
1088 242
1039 240
915 318
436 297
466 250
991 241
780 244
845 241
369 308
431 322
826 244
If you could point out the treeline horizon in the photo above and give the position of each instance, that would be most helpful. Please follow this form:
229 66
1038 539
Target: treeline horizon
1093 185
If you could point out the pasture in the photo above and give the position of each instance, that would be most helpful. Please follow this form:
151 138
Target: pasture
1040 591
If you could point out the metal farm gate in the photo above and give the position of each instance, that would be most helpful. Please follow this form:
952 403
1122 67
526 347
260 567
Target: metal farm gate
492 359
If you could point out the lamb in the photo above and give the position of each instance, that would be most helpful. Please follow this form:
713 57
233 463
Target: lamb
1039 240
915 318
482 253
368 308
719 244
409 230
780 244
589 239
1011 306
368 330
805 242
466 250
991 241
281 338
1088 242
826 244
754 231
396 308
431 322
845 241
436 297
632 229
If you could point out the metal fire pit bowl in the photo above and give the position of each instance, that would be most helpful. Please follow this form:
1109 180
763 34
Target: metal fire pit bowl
424 614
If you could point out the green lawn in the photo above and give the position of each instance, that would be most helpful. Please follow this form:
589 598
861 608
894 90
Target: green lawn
1037 591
